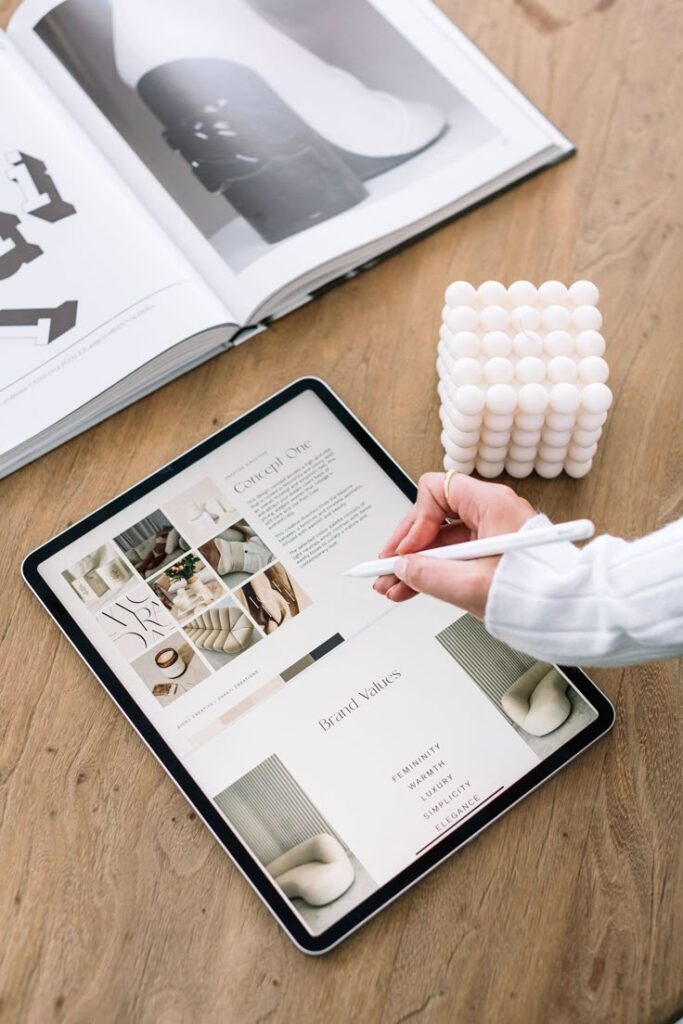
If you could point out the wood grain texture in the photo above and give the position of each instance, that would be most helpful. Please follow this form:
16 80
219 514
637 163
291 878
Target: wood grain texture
117 905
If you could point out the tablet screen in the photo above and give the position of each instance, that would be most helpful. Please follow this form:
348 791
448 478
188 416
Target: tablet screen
341 737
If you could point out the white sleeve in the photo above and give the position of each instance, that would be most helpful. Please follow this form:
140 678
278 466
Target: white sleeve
612 602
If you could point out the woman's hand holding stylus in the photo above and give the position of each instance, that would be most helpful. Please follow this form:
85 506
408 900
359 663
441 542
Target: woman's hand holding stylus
485 510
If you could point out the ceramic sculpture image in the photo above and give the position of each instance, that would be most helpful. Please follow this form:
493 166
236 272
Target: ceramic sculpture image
522 378
317 870
538 701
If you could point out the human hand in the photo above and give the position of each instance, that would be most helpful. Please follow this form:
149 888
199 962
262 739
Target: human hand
485 510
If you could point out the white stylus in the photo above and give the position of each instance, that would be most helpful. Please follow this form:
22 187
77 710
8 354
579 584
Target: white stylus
577 529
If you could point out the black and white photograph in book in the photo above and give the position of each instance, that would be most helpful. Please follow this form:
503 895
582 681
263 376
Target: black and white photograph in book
263 119
536 698
299 849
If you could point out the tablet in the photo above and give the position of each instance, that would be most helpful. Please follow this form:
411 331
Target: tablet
339 747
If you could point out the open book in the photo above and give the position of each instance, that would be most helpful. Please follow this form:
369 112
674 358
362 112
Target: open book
174 175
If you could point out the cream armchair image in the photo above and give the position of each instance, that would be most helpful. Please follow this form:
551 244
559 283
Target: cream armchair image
223 629
538 701
317 870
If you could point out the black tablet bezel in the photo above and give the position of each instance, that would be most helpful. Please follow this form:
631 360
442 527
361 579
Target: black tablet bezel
203 805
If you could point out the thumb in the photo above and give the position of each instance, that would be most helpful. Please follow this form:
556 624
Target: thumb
464 584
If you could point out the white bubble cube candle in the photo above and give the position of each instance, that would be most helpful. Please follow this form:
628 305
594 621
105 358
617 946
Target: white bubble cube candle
522 378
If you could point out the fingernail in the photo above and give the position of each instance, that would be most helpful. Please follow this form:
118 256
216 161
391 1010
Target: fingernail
400 567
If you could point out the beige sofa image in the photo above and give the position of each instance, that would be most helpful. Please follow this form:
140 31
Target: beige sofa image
224 629
317 870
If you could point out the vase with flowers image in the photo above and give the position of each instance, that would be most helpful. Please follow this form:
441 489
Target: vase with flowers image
182 572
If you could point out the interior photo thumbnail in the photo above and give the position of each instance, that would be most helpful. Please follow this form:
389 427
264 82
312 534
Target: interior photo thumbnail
98 576
171 669
272 598
296 845
151 543
223 632
200 511
187 586
237 553
536 698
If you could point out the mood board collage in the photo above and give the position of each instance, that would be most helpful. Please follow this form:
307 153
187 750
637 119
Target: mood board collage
186 590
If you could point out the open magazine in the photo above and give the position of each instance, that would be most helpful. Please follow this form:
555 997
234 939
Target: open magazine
174 176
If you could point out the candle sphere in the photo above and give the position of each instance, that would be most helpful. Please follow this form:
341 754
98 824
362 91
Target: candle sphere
587 318
463 438
590 420
494 318
561 368
523 293
525 318
585 438
462 422
489 469
495 438
560 421
577 469
527 343
565 398
469 400
496 343
529 420
596 398
530 369
584 293
501 399
492 453
553 293
461 318
458 467
592 369
518 470
463 343
558 343
495 422
556 438
590 343
556 318
444 332
532 398
466 371
461 293
492 293
579 453
522 453
461 453
548 454
498 371
547 469
525 438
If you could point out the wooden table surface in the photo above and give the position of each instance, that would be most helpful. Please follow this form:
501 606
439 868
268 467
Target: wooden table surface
117 904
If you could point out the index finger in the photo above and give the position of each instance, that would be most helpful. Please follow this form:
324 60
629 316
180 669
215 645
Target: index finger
430 512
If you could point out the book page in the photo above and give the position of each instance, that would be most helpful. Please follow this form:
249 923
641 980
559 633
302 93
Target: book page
273 140
90 289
